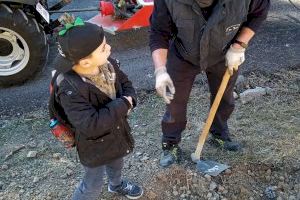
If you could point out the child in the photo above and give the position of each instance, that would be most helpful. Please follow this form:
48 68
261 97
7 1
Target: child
96 103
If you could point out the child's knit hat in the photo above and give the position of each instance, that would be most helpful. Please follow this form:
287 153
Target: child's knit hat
76 41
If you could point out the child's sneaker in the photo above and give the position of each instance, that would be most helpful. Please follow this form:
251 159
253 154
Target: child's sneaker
130 190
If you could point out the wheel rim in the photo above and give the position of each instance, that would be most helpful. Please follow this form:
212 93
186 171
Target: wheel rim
14 55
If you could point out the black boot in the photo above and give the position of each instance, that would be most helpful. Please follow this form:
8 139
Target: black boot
171 154
225 143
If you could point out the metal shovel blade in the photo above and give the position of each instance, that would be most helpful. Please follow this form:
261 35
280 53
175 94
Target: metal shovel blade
210 167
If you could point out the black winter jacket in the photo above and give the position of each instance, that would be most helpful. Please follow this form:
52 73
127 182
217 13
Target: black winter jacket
101 129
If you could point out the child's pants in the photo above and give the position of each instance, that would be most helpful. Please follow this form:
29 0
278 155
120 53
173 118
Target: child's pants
91 184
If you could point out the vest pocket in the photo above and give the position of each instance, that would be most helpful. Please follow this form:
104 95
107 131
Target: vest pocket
185 29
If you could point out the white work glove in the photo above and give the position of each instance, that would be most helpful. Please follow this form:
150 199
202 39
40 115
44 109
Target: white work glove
163 81
234 58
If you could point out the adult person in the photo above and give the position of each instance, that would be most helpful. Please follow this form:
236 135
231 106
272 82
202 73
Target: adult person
190 36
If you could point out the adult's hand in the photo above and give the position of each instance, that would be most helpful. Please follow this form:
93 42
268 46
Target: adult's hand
164 84
234 57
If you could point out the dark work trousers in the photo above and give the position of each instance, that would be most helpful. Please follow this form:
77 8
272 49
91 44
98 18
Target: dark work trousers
183 75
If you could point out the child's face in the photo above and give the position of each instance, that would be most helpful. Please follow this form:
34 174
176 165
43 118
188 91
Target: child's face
100 55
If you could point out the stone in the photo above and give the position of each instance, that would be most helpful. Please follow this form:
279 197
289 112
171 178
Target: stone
138 153
292 197
268 178
280 185
279 198
1 185
241 84
240 80
235 95
270 192
4 167
225 191
69 172
35 179
216 196
12 184
71 165
182 188
212 186
250 173
209 195
56 156
14 174
32 154
175 193
207 177
268 172
32 144
144 158
152 195
281 178
221 188
228 171
251 94
244 191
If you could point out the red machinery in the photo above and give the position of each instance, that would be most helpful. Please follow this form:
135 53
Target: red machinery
112 25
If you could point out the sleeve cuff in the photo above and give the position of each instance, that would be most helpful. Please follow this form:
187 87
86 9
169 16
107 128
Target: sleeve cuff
127 102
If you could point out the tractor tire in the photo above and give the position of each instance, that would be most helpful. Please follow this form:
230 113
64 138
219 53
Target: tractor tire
23 46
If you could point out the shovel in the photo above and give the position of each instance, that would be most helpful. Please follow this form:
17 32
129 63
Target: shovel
207 166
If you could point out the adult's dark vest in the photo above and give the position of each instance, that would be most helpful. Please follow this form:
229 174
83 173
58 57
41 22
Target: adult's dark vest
205 42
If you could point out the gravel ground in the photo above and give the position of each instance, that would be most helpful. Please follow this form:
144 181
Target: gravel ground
34 166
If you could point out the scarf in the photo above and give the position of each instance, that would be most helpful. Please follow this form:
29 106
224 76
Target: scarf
105 80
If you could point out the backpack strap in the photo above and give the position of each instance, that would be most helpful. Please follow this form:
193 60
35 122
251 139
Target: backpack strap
54 84
53 88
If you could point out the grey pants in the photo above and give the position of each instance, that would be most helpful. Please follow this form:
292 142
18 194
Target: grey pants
91 184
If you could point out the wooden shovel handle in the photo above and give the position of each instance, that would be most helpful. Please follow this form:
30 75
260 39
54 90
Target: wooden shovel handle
212 114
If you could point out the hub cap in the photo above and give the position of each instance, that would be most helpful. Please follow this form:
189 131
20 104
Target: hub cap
14 52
